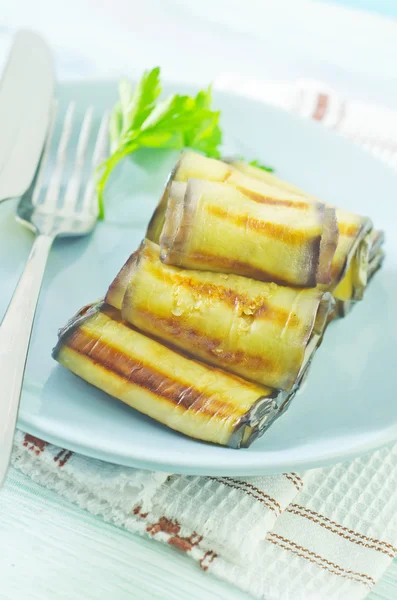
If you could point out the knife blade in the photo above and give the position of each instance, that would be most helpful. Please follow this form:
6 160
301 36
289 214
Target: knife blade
26 101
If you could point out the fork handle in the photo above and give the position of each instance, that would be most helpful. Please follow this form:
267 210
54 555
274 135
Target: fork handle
15 332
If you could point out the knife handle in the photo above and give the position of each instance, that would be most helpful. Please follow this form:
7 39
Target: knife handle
15 332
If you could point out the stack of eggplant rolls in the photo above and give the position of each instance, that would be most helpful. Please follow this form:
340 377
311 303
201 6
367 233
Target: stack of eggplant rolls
212 323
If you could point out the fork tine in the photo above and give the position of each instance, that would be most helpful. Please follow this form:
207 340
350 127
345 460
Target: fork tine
72 191
44 158
99 155
52 195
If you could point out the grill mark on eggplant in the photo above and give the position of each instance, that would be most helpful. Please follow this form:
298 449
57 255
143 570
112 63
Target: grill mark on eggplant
238 267
148 378
259 307
115 315
348 229
274 230
260 198
173 326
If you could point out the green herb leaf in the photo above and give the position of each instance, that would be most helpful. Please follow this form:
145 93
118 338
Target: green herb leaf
137 104
255 163
206 135
139 121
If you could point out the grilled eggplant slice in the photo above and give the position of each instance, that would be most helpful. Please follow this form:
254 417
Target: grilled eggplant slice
213 226
257 330
356 234
186 395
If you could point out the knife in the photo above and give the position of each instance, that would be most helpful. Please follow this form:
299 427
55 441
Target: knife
26 101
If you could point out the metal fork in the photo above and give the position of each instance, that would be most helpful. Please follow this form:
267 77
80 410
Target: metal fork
56 215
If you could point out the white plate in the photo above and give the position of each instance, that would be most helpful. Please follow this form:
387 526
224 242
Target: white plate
348 404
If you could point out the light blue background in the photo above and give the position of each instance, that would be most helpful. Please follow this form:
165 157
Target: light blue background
383 7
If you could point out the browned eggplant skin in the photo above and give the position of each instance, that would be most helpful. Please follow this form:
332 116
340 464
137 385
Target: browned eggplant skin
157 219
328 246
261 412
115 293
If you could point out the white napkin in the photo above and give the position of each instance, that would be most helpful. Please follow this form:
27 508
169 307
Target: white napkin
326 533
323 534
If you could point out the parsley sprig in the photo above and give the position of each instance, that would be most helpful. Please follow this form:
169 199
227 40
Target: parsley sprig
141 120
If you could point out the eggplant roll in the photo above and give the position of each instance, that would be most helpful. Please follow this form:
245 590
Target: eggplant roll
260 331
356 235
192 165
186 395
213 226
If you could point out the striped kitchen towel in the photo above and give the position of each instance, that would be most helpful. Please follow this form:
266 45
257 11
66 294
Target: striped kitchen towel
324 534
